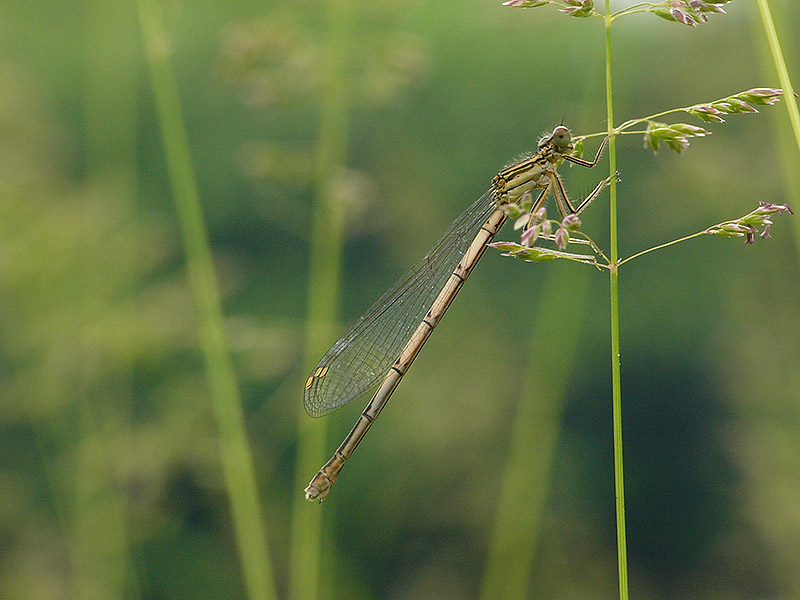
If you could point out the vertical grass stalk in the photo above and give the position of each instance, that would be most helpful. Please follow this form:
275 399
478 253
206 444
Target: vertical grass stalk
323 293
780 67
99 509
517 533
619 481
237 464
783 75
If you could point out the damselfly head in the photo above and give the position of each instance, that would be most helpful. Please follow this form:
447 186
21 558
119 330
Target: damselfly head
560 138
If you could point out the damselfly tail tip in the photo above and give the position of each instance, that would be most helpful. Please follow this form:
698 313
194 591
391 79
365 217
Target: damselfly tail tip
312 494
318 488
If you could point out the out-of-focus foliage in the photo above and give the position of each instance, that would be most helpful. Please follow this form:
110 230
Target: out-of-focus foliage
110 482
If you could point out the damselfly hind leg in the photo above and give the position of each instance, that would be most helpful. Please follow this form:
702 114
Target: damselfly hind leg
558 188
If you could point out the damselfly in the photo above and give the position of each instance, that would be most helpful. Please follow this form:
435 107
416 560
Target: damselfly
383 343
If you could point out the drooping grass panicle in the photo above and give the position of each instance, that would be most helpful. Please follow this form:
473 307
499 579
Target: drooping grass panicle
687 12
578 8
710 112
740 103
541 254
748 225
677 135
573 8
520 208
536 226
526 3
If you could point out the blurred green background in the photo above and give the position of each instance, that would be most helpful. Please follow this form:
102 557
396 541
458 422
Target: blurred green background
376 123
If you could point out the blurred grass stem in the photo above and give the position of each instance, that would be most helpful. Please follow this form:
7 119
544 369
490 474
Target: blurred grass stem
783 76
660 246
237 464
622 554
100 509
780 67
516 533
323 296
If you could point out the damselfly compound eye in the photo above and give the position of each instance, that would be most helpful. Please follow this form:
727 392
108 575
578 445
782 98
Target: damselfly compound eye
561 136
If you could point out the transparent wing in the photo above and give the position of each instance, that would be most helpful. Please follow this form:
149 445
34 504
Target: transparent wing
363 355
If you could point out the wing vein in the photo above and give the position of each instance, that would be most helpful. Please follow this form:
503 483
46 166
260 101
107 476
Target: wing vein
362 356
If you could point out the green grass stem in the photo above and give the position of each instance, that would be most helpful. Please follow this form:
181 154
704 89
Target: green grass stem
783 76
619 481
99 509
517 532
236 460
780 67
327 239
